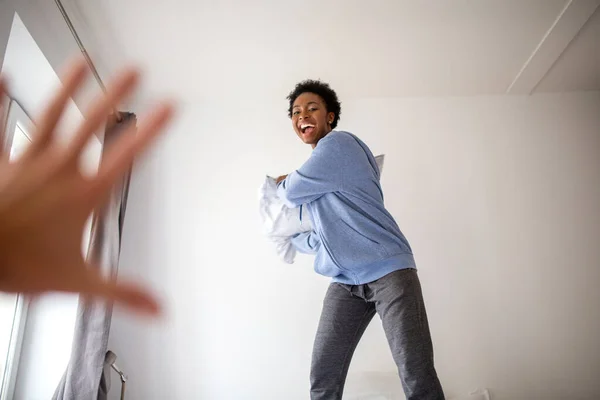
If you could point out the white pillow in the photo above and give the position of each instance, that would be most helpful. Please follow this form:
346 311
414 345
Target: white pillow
281 223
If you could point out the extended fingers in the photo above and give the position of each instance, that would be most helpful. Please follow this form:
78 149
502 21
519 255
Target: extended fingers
46 124
122 152
129 295
96 116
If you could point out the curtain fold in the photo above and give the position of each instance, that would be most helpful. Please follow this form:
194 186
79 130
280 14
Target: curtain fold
86 369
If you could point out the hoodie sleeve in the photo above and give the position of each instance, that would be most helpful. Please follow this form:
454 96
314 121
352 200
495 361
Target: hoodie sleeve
322 173
306 242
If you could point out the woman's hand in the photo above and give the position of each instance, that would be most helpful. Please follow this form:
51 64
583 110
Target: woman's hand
45 201
282 177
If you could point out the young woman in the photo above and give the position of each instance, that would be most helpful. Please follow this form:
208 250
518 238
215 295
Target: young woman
359 245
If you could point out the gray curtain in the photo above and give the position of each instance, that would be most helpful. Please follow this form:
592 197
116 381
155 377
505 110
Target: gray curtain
86 377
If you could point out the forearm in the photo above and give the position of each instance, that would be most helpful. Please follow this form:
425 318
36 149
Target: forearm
322 173
307 242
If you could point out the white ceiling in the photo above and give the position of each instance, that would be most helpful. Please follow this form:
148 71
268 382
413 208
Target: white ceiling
249 49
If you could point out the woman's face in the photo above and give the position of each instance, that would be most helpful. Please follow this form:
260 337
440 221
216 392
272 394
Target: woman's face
310 118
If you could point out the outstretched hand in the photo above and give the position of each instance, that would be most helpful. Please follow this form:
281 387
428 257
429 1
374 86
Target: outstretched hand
45 200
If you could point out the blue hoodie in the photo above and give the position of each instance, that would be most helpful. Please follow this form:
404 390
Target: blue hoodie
355 239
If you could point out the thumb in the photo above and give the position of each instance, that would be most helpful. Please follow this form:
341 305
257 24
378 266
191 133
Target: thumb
136 298
132 296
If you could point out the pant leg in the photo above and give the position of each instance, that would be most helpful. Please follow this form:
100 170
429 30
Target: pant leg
399 302
343 321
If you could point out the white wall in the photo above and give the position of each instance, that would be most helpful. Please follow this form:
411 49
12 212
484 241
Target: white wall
499 196
50 322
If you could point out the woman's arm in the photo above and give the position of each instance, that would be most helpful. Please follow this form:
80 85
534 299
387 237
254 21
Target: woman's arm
307 242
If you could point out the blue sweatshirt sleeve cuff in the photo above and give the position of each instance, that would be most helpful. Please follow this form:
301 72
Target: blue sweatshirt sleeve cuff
307 242
282 194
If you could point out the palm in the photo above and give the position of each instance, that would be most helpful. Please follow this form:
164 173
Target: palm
46 231
45 200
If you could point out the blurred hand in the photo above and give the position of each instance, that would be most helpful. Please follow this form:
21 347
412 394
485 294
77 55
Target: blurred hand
45 201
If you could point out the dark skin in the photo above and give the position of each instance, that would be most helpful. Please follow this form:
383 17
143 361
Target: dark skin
311 120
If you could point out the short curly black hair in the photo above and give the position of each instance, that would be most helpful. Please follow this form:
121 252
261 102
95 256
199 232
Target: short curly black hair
322 90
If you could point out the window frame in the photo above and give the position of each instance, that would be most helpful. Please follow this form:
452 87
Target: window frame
15 117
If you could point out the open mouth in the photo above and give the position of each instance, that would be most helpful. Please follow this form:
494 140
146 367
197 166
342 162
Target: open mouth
307 129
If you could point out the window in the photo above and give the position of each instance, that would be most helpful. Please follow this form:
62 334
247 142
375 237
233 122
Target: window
13 308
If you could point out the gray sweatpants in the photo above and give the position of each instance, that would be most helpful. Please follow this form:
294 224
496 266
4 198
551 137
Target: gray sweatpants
347 311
